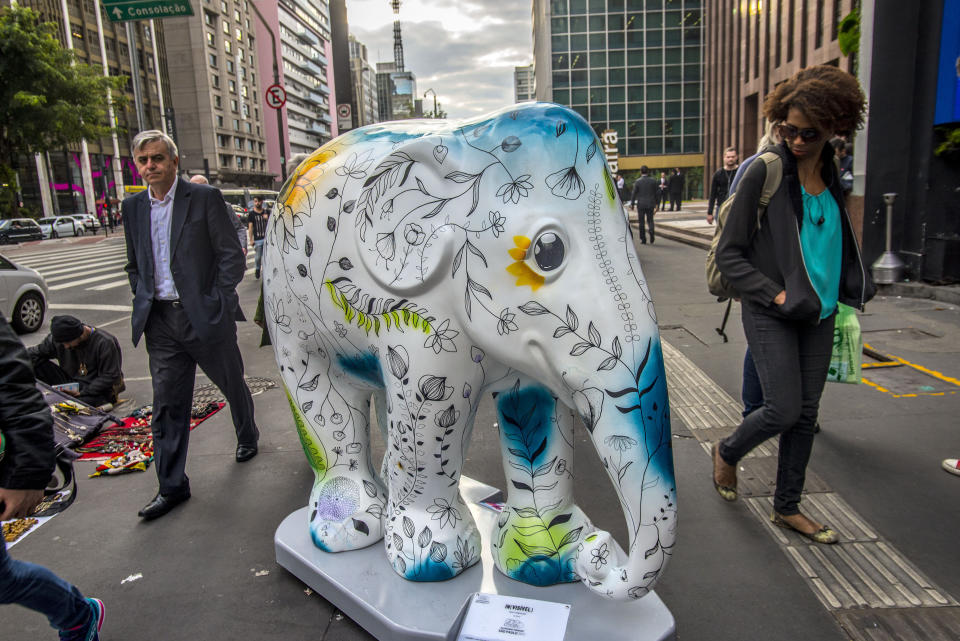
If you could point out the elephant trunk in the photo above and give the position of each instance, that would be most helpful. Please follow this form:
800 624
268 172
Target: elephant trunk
630 428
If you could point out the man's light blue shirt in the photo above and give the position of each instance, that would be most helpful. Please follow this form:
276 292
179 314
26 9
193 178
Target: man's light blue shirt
161 213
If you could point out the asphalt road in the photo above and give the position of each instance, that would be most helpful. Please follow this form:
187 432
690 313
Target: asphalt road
207 570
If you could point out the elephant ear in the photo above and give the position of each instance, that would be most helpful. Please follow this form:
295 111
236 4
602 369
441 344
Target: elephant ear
406 214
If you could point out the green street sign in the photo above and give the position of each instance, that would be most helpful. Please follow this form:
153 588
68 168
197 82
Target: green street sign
126 10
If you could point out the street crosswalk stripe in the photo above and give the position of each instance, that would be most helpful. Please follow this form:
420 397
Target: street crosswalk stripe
70 272
92 307
77 283
113 285
58 253
62 261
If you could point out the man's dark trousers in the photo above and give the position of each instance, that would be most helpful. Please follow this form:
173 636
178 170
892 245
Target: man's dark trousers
645 213
175 350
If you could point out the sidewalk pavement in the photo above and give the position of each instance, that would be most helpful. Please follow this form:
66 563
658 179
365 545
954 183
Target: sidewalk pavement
207 570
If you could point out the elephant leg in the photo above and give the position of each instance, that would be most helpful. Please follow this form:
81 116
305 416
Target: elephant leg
332 416
429 532
540 529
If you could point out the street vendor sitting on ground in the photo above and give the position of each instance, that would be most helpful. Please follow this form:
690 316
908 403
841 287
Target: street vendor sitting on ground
86 355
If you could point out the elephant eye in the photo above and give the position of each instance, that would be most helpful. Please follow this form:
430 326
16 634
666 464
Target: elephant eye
548 251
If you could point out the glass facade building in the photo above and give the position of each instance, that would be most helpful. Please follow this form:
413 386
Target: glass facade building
633 66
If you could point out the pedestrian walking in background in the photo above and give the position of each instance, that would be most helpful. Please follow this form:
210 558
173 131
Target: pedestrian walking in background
722 180
622 188
257 230
675 187
184 262
844 152
27 459
791 272
239 227
664 189
644 198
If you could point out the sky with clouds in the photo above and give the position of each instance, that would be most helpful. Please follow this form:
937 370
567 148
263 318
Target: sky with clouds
465 50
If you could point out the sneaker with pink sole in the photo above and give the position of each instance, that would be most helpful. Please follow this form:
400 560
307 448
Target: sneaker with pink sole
89 631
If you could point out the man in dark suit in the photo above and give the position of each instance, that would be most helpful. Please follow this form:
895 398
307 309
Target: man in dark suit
184 262
676 189
644 198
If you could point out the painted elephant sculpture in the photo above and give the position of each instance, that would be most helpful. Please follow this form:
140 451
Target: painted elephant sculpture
424 263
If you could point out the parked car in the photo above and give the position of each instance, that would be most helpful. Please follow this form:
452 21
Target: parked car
15 230
89 221
23 296
60 226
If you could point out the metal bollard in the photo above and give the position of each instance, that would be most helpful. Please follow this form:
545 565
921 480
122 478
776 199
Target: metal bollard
888 268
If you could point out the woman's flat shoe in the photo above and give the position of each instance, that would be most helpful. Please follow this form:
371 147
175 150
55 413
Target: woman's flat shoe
824 535
726 492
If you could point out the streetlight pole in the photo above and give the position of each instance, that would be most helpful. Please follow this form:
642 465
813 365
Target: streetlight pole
276 81
435 113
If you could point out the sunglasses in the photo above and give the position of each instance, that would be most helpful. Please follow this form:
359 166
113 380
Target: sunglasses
789 132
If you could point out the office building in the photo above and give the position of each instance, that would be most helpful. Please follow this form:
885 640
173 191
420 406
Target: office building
217 94
751 47
631 66
397 93
303 52
523 84
67 181
363 86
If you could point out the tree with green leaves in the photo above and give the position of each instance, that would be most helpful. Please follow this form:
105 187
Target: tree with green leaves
48 100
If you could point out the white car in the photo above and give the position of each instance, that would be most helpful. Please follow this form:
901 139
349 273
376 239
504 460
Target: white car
89 221
60 226
23 296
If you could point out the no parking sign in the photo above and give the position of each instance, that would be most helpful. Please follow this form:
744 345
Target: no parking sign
275 96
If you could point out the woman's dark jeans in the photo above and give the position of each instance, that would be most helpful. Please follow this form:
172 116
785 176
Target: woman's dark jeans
791 359
750 391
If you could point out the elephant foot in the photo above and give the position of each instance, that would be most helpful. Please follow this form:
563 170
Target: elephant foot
429 552
539 548
346 514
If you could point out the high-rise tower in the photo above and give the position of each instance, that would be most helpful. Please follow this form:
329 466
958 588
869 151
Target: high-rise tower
397 40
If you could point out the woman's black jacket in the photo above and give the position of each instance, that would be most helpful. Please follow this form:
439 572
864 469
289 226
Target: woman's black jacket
761 262
25 419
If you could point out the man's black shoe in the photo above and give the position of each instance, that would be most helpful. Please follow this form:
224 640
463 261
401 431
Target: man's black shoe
246 452
161 504
256 274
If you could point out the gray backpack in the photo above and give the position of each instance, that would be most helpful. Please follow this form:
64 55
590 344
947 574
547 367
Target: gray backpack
718 285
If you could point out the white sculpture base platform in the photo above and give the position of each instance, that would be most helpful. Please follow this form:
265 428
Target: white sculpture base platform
365 588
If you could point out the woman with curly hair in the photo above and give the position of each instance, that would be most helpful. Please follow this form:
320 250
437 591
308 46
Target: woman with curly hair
791 270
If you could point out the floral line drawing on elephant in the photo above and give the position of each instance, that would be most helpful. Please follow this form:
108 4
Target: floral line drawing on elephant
385 279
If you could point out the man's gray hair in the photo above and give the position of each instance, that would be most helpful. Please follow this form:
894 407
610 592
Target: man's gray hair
153 135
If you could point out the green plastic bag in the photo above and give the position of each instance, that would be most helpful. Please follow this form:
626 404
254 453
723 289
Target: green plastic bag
845 363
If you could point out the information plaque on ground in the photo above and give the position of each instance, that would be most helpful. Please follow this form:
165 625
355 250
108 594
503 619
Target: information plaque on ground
496 617
125 10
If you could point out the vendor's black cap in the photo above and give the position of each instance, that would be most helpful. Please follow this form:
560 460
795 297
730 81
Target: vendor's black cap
65 328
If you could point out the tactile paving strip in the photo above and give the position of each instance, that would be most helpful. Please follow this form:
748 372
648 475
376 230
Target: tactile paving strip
891 624
694 398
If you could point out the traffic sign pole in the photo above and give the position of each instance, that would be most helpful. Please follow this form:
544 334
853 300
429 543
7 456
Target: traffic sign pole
276 81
